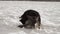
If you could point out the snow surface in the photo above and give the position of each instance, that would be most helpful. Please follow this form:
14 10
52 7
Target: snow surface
10 11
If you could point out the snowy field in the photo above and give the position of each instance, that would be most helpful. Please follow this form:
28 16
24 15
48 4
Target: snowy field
12 10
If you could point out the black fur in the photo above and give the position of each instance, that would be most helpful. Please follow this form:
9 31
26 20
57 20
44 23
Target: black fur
29 17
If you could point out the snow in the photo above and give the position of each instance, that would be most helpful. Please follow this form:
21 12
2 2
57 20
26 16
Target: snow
10 11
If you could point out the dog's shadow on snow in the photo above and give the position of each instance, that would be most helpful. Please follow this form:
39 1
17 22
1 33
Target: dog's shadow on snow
28 31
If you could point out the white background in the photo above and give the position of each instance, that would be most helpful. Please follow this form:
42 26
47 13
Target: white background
10 11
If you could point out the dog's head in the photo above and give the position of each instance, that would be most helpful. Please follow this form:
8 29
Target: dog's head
30 18
30 23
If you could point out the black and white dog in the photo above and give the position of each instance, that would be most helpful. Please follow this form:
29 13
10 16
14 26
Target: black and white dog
29 19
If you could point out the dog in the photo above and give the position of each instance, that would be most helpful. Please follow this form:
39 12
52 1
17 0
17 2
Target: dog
29 19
